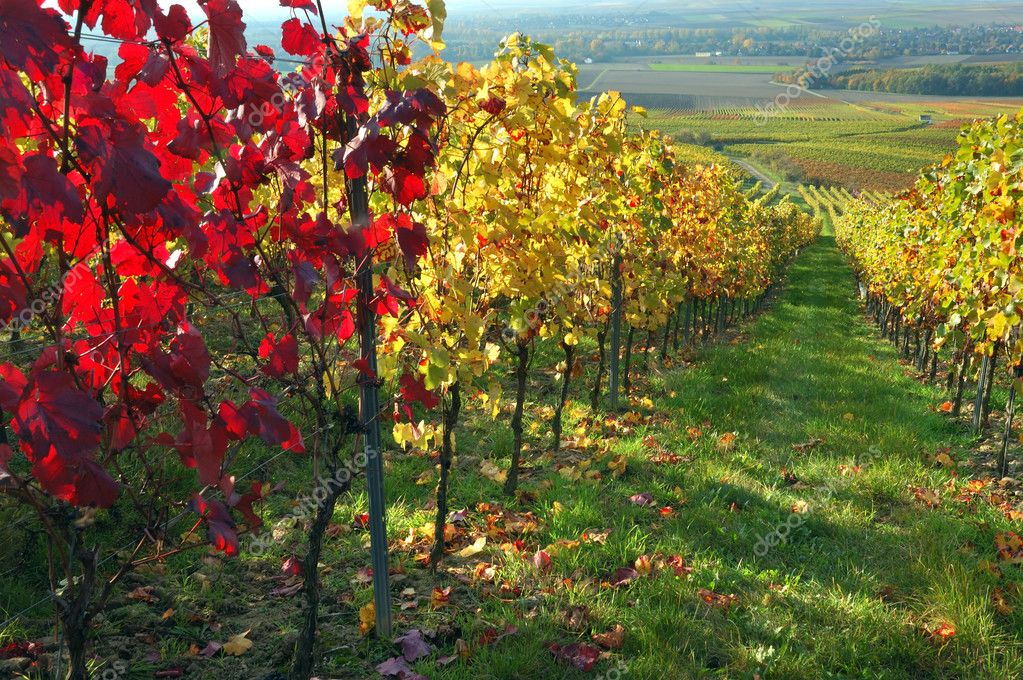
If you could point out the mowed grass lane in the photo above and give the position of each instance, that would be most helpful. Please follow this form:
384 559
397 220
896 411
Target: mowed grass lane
864 569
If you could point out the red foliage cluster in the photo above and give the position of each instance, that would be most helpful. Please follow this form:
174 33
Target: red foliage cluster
136 191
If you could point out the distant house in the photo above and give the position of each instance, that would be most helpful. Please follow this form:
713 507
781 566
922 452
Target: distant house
926 118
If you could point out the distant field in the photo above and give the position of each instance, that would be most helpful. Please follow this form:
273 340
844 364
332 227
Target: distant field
868 146
718 68
859 141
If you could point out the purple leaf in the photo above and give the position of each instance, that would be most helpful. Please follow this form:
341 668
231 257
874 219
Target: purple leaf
395 667
413 646
642 499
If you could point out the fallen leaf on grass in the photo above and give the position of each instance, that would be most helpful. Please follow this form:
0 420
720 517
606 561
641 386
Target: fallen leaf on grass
718 600
491 636
211 650
800 507
595 536
475 548
807 446
946 407
1000 602
929 497
542 561
1010 547
578 654
726 442
440 598
238 645
643 565
363 577
367 618
940 633
678 563
395 667
789 477
612 639
143 594
167 614
642 499
291 566
413 645
577 617
489 470
623 576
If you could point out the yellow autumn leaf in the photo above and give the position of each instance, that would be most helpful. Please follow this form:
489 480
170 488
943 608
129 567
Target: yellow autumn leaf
238 645
367 618
474 549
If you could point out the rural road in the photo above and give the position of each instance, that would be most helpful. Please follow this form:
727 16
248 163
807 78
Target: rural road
768 182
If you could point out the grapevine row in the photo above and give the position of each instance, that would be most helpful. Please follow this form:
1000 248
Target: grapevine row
940 265
395 226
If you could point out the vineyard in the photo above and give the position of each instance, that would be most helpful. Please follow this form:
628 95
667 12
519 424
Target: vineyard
941 274
338 359
860 146
213 267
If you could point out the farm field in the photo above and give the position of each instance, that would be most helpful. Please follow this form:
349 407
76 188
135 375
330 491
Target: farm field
716 68
868 146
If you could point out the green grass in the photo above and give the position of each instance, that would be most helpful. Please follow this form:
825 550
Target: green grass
720 68
846 595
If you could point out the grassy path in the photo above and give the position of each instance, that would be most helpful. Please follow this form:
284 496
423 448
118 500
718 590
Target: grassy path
864 570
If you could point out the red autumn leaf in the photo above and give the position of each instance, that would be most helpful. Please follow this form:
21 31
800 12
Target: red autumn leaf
227 34
413 388
623 576
300 38
362 366
413 241
369 148
281 355
46 195
174 25
201 444
494 105
30 33
542 561
127 171
406 186
578 654
243 504
220 527
54 414
300 4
